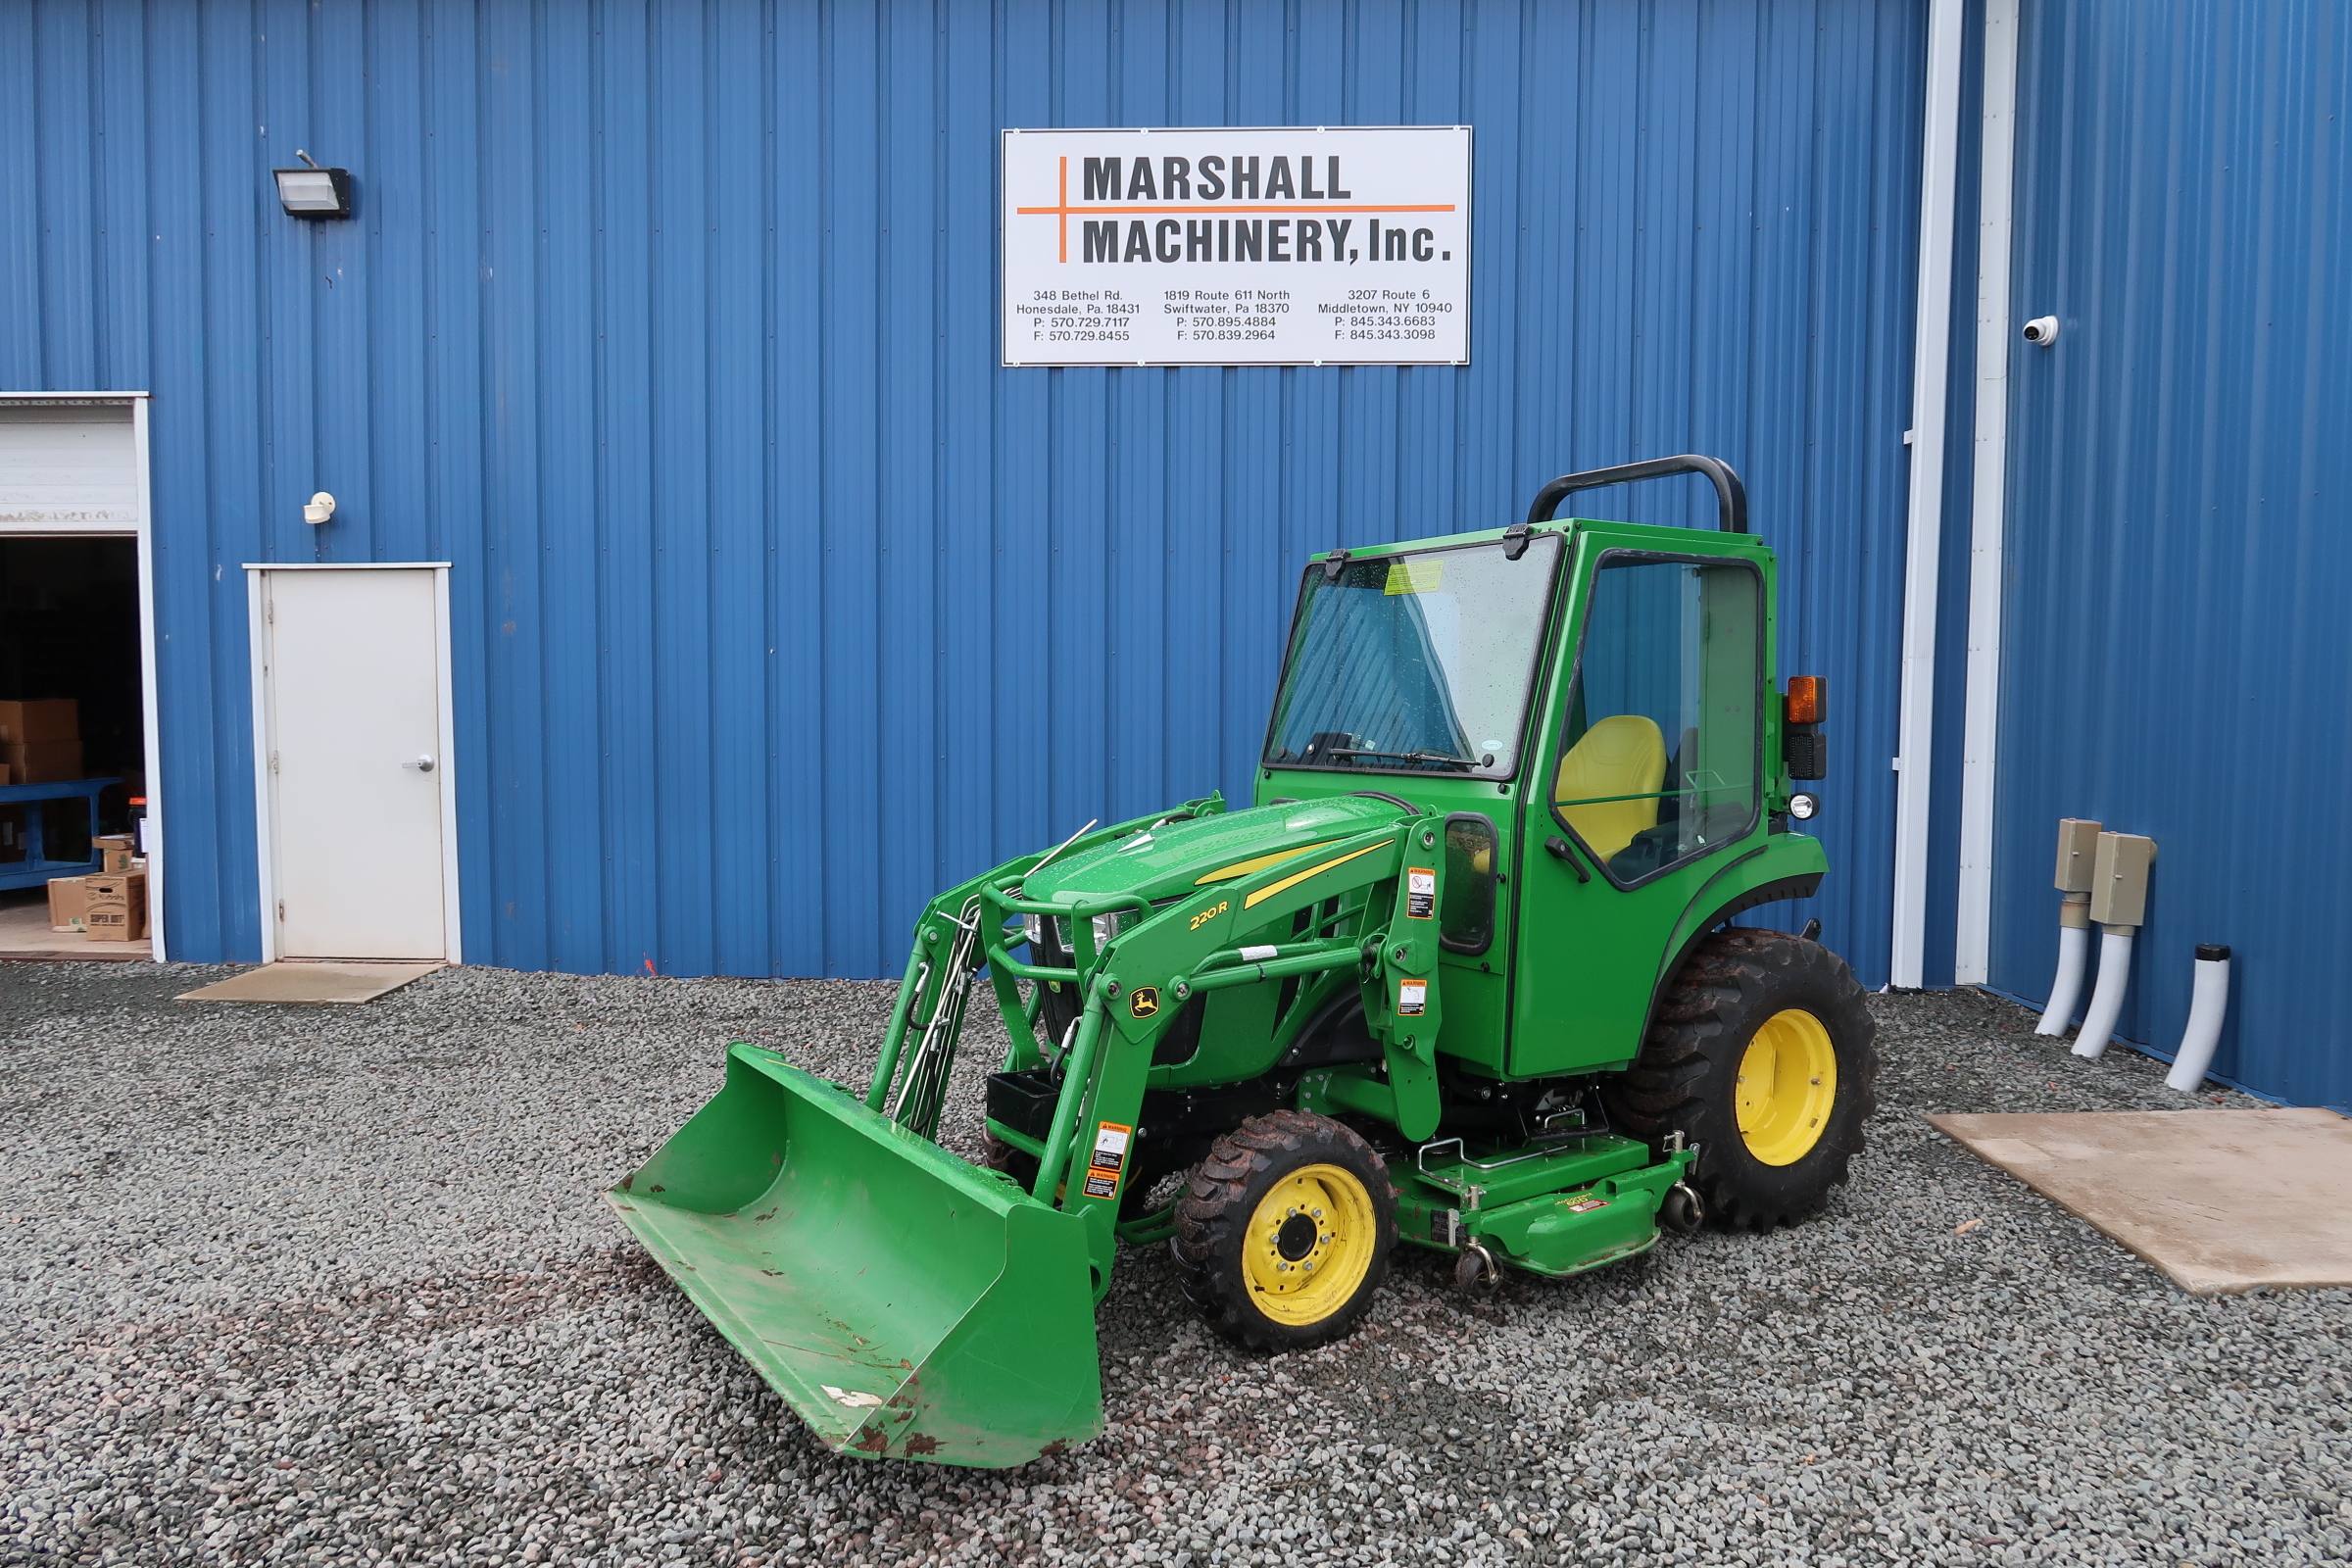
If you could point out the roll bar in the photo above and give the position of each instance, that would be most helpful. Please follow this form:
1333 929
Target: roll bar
1729 495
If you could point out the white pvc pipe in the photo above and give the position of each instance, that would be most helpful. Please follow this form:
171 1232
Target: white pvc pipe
2206 1005
2107 997
2074 947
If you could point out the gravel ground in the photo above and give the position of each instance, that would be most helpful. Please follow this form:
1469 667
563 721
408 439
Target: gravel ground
334 1286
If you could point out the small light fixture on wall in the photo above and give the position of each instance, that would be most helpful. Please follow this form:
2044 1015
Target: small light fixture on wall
313 192
318 509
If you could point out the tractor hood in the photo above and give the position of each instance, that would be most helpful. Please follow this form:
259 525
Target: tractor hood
1175 861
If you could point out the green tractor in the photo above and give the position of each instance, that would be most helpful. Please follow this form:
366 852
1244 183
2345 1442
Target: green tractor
1461 977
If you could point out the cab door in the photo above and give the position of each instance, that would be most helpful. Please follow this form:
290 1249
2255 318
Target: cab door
1647 784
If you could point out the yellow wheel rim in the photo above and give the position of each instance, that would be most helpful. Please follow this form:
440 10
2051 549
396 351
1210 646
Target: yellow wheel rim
1309 1243
1788 1083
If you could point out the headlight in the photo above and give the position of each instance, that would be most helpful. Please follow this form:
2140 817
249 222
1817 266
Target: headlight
1107 926
1033 932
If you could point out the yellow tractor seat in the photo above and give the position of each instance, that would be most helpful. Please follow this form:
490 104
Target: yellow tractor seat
1623 755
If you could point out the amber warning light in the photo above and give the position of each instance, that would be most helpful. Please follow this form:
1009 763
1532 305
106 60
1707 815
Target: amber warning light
1804 699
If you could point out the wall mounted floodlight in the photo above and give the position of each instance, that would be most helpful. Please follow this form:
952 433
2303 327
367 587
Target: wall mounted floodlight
311 191
319 508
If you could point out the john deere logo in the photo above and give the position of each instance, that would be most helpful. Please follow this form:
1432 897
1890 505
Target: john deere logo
1142 1001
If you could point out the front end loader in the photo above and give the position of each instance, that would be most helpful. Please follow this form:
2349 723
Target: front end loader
1462 977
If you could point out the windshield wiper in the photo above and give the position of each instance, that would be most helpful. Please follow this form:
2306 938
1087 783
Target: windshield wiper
1401 757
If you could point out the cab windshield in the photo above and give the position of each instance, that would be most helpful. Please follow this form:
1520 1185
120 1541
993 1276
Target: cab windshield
1416 663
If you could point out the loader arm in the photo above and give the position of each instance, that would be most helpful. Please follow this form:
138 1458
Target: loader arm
1135 985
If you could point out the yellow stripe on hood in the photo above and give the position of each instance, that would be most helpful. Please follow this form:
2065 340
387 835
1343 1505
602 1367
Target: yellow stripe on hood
1245 867
1289 882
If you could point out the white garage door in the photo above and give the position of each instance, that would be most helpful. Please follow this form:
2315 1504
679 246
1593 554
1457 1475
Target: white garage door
68 469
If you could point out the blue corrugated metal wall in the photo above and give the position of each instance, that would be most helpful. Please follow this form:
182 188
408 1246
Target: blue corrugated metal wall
2177 649
674 327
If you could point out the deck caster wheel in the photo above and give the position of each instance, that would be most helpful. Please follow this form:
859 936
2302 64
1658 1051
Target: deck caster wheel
1475 1272
1681 1210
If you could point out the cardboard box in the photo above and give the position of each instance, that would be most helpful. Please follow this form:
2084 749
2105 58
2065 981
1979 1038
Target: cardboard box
112 861
67 900
52 718
8 772
43 761
115 907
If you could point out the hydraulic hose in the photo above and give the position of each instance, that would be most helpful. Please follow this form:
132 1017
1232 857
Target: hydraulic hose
2207 1005
2074 947
2107 997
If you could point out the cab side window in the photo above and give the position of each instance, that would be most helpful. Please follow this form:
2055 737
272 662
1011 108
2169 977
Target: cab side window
1659 762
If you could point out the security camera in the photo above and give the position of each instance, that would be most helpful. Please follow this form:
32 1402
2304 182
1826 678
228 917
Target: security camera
2042 331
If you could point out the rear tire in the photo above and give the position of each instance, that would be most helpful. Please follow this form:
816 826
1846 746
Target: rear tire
1763 1055
1284 1232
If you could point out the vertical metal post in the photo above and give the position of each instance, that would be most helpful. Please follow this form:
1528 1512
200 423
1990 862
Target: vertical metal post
1972 956
1914 761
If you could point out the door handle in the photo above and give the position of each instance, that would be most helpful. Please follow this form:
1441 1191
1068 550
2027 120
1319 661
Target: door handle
422 764
1558 848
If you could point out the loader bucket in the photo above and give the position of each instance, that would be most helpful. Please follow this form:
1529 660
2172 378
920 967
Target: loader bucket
907 1304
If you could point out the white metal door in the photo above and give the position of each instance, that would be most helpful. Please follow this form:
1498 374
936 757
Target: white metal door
352 685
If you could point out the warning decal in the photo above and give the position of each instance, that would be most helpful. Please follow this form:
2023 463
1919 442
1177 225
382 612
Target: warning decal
1110 1147
1587 1203
1412 997
1420 892
1108 1158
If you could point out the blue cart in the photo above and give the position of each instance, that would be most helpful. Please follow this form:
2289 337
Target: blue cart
31 867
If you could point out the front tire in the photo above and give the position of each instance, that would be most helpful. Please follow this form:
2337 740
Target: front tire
1284 1232
1763 1055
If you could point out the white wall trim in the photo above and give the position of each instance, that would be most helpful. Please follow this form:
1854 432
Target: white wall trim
142 533
151 719
265 799
1972 956
1914 761
453 926
347 565
264 795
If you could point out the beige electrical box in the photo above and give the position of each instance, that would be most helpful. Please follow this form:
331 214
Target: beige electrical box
2078 846
2119 880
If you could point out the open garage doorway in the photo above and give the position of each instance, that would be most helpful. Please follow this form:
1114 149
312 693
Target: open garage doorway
76 721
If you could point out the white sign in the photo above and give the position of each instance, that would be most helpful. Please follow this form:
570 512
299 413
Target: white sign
1349 245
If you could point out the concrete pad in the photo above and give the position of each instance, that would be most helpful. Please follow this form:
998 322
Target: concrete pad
2219 1200
327 983
25 933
